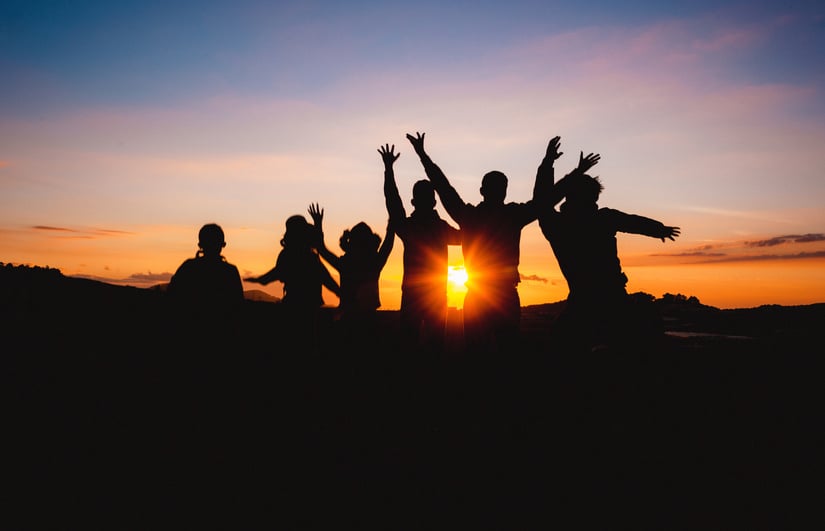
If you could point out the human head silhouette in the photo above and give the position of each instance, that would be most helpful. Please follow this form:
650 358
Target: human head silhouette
298 231
494 187
360 239
211 239
423 195
584 190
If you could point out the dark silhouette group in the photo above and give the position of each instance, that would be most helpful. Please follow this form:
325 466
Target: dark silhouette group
597 314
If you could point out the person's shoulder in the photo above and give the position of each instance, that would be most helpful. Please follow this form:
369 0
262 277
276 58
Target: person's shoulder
229 266
188 264
518 205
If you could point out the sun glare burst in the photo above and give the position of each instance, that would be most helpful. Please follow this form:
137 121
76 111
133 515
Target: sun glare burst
457 277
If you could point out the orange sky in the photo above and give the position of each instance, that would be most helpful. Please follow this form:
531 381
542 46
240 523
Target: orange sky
123 131
725 275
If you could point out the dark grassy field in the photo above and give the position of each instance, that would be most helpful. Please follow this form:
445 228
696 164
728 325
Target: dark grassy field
120 409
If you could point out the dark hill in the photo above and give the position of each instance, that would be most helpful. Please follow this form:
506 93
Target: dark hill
120 406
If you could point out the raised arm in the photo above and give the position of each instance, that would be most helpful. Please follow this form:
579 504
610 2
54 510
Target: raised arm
395 207
317 215
545 175
452 202
560 189
327 281
386 245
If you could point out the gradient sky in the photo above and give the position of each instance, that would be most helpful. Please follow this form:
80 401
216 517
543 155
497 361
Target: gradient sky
125 126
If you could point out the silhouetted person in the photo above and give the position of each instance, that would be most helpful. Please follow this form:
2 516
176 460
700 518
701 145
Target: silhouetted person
206 293
423 315
207 281
598 312
359 269
303 275
491 236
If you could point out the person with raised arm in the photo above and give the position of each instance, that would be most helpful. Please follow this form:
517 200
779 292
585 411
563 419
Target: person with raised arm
304 275
359 269
491 237
426 237
598 312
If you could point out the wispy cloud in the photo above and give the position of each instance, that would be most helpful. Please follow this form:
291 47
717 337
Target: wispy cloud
741 251
762 257
690 254
793 238
82 233
533 278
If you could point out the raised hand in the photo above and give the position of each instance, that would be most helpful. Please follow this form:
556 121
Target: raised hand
417 142
388 154
671 233
317 214
585 163
553 149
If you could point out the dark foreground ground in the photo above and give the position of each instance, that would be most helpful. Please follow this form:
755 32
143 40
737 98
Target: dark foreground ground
124 415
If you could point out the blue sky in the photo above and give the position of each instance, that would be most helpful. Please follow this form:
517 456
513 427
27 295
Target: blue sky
124 126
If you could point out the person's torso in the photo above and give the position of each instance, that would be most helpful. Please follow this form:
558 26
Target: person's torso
301 274
425 257
359 282
207 281
585 247
491 237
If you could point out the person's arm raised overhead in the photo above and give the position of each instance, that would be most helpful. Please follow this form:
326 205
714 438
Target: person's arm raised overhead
386 245
452 202
560 188
545 175
395 207
327 280
585 163
317 215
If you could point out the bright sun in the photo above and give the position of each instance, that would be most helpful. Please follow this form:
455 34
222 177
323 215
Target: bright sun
457 276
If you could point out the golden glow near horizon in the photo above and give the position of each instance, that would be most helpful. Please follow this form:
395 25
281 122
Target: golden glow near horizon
456 286
111 179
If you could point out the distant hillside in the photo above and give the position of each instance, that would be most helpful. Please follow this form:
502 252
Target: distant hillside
48 293
113 389
250 294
